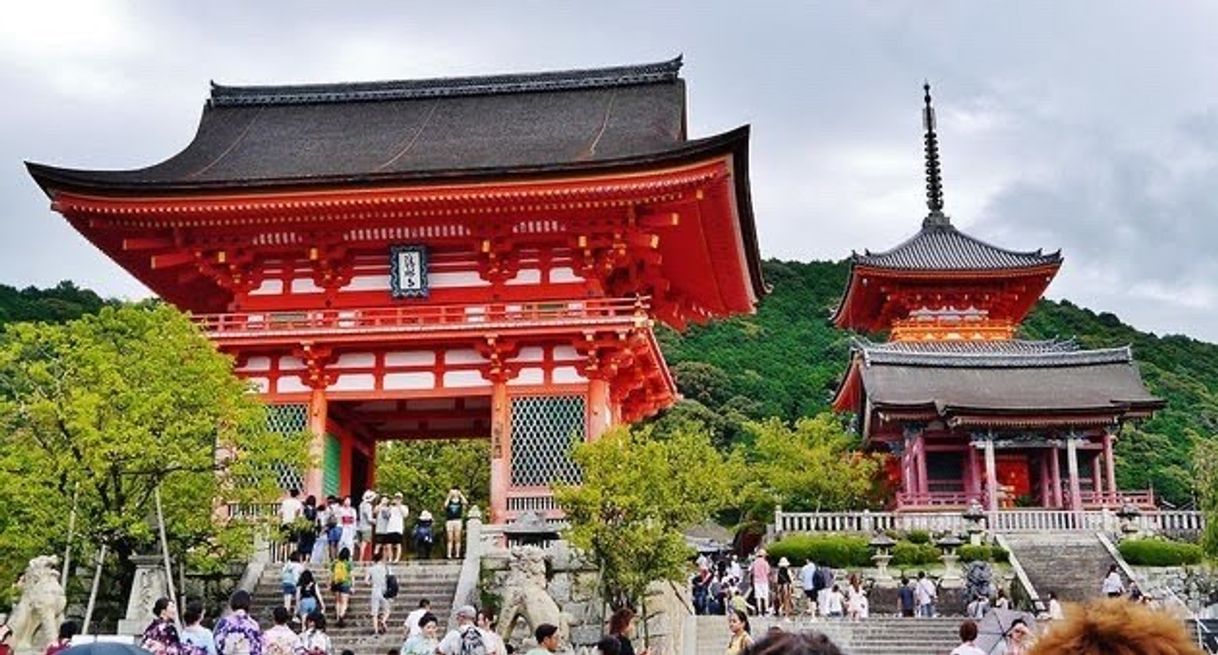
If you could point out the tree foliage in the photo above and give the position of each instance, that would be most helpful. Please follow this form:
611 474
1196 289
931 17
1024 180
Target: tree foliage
638 493
812 465
424 471
101 411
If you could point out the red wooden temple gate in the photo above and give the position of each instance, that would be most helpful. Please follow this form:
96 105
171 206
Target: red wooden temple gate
463 257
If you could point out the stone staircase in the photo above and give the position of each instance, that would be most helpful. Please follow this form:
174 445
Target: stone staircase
873 636
435 580
1072 565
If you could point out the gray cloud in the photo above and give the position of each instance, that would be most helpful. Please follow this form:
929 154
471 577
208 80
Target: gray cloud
1091 127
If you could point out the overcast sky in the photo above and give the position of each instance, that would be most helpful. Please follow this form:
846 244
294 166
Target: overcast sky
1086 126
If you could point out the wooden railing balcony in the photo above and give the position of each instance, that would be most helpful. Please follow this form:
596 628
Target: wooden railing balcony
426 318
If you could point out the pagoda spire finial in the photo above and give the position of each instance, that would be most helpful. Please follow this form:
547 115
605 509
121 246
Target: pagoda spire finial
934 177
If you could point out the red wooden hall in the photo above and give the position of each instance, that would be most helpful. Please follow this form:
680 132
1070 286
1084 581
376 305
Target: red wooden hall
479 257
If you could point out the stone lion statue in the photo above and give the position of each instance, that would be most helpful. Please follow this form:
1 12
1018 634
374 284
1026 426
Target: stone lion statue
40 610
525 595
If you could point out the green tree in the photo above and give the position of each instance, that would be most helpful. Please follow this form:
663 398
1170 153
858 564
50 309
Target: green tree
638 493
108 408
811 465
424 471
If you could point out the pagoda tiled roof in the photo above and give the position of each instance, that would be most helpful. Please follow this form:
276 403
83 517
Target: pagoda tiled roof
619 117
1000 376
940 246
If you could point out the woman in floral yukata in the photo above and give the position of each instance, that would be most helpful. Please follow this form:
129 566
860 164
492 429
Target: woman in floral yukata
161 636
238 633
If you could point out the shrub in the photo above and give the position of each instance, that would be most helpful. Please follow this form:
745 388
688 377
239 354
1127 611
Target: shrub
1159 552
838 551
907 553
971 553
918 536
982 553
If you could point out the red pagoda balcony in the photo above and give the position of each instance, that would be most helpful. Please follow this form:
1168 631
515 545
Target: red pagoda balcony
425 321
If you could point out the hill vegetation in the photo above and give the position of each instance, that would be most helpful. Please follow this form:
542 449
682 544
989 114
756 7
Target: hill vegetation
785 361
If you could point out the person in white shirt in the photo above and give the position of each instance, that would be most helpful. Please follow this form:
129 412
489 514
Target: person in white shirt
968 634
412 619
1055 608
377 576
395 524
1113 586
290 509
834 602
807 580
925 595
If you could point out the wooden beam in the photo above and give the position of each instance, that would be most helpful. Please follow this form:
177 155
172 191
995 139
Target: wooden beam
147 243
171 260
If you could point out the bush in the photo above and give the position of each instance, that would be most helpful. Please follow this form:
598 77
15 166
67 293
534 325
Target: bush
908 553
1159 552
918 536
982 553
838 551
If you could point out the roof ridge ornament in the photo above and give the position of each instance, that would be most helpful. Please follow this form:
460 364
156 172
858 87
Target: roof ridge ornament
934 175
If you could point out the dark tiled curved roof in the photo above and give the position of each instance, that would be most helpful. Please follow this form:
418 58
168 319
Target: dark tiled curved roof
940 246
405 130
1013 354
446 87
997 346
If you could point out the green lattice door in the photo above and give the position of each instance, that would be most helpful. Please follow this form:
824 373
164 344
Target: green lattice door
331 472
544 430
289 419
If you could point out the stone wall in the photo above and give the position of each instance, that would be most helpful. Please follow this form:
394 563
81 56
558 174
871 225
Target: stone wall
1195 586
573 584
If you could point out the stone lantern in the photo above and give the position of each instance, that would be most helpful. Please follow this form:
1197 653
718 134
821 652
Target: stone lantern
951 572
1128 514
881 545
974 517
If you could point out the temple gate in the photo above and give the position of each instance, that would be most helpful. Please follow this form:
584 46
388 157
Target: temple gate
477 257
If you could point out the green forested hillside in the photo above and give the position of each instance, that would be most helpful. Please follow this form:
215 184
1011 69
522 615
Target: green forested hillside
787 359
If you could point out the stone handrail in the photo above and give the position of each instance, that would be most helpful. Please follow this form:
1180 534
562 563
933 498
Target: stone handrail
471 565
1038 605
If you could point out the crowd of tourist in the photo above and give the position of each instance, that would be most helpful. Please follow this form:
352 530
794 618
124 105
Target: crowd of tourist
320 532
755 588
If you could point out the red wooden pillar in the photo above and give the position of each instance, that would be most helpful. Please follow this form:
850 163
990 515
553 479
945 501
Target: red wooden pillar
991 475
1055 470
600 416
345 463
1076 494
501 450
923 481
1097 478
317 445
1110 464
1046 482
974 473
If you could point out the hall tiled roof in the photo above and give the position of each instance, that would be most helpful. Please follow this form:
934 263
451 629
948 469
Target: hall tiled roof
940 246
1016 375
397 131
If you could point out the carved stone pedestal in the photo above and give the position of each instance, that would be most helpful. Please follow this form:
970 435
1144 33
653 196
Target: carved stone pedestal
148 585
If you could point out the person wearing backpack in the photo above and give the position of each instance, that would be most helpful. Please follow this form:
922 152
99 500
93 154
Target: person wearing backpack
289 575
378 577
340 585
466 638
